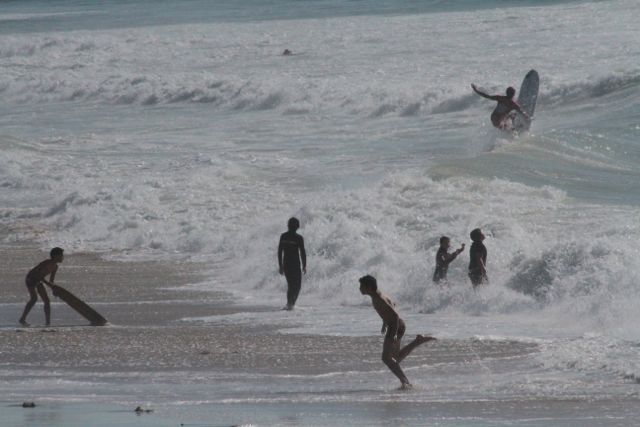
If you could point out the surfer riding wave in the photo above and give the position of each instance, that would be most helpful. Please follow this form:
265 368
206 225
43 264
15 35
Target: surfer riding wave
502 116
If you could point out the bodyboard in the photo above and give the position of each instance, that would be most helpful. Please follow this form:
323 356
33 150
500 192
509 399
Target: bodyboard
527 98
82 308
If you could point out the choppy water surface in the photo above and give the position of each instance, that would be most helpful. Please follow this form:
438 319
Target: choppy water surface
186 135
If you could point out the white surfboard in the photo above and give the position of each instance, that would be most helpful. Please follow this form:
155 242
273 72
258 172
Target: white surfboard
527 98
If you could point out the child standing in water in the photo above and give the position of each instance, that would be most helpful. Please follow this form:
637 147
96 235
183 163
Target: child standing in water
478 259
35 278
444 258
290 251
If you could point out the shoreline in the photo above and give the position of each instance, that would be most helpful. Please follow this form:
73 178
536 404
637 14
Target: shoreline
195 372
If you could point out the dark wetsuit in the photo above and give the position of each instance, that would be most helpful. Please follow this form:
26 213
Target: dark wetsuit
290 251
476 274
443 259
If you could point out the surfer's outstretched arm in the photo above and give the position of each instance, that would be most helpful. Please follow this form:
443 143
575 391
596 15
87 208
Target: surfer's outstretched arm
482 94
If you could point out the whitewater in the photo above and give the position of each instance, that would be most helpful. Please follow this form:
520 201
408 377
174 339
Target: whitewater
183 134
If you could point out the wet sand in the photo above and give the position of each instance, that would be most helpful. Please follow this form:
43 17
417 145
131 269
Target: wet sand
534 413
213 373
145 331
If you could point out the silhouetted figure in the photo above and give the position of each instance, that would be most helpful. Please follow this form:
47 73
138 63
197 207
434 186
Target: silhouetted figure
502 118
444 258
287 52
290 252
35 278
478 259
393 327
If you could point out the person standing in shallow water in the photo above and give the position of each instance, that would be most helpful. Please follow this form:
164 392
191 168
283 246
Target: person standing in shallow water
393 327
290 252
444 258
35 278
478 259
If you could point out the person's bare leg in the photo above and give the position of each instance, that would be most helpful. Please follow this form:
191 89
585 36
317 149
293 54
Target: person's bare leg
389 357
47 305
420 339
32 301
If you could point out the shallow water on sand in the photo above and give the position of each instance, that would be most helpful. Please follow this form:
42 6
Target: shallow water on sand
181 136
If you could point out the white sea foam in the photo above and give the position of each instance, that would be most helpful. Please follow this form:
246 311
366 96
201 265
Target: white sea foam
198 141
235 70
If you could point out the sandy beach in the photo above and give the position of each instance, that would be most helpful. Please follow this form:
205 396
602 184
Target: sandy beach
213 374
167 145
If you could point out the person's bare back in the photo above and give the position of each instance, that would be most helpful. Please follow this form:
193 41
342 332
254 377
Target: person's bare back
385 308
42 270
393 327
34 281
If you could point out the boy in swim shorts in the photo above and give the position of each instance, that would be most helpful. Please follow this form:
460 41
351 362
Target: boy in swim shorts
34 281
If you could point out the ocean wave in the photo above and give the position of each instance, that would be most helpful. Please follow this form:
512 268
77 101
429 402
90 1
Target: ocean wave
37 16
370 66
542 255
589 88
233 94
112 69
229 94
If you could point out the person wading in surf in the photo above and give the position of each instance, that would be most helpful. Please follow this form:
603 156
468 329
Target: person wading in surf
502 117
444 258
393 327
478 259
290 252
